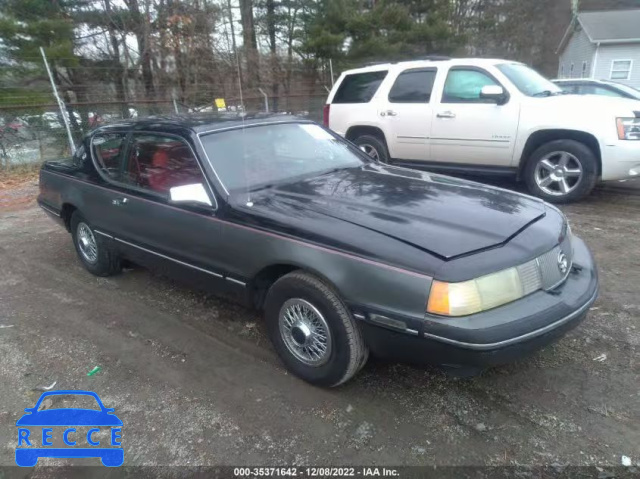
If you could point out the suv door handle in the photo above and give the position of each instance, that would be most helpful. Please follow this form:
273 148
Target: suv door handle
389 113
446 114
120 201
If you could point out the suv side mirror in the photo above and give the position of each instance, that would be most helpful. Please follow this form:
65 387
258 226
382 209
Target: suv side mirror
494 93
190 194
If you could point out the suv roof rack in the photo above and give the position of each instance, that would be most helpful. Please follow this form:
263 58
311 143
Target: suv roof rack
432 58
436 58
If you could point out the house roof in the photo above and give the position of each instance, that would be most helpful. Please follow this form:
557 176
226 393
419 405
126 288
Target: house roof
613 26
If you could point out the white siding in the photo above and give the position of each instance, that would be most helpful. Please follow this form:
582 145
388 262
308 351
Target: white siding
608 53
579 49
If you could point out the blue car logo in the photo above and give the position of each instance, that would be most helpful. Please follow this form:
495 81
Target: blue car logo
28 452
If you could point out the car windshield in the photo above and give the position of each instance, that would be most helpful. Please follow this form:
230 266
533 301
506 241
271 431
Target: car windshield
528 81
258 156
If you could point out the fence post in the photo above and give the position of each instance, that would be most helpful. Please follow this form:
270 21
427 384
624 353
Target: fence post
63 112
266 100
331 70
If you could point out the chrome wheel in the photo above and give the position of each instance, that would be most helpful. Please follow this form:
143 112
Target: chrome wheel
87 243
305 332
558 173
370 150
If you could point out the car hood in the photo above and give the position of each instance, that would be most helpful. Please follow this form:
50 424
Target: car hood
588 104
444 216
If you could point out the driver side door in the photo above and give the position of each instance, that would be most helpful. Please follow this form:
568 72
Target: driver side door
468 129
181 240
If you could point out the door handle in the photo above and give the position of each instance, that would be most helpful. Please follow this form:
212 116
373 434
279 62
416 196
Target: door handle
388 113
120 201
446 114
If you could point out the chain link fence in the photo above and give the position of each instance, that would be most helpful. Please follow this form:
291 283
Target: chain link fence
36 132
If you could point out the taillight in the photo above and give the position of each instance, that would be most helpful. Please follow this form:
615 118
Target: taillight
325 115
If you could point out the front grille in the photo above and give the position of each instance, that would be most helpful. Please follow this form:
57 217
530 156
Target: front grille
550 273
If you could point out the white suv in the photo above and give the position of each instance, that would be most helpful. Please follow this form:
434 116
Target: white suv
487 116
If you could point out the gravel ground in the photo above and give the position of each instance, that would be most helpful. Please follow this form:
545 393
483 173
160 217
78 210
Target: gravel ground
196 382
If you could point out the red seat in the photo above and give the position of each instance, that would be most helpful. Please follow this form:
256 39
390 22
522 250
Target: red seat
159 173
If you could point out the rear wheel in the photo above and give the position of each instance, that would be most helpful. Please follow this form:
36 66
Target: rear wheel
374 147
561 171
312 330
94 252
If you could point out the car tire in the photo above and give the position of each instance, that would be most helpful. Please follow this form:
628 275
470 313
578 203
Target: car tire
93 250
374 147
561 171
300 299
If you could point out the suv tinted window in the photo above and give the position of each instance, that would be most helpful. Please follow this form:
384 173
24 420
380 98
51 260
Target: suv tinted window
413 86
108 150
463 86
359 87
158 163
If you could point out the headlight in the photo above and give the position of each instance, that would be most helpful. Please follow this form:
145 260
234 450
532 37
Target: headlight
628 128
473 296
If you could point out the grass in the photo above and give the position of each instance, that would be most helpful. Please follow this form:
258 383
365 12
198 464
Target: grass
16 176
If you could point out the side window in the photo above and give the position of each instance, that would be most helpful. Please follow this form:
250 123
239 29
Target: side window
463 86
359 87
158 163
413 86
108 150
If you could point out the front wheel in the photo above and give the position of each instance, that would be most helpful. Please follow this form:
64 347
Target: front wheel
561 171
312 330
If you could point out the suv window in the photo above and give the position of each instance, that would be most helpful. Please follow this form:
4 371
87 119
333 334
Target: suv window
158 163
464 85
108 152
413 86
359 87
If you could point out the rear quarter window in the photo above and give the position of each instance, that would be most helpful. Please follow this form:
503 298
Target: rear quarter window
359 87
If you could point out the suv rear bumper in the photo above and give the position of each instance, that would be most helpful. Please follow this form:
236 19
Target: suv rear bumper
497 336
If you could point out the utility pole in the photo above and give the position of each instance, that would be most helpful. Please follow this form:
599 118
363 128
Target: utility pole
63 112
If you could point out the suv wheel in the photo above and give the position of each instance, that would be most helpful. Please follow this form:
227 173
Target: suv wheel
561 171
94 253
373 147
312 330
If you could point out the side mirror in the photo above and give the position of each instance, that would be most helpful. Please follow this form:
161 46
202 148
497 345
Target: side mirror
190 194
494 93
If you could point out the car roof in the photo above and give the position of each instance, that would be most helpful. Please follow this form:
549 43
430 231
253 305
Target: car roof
425 63
199 123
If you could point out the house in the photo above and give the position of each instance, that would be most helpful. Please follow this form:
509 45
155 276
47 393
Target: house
602 45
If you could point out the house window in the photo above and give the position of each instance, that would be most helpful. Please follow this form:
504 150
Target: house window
621 69
584 69
571 71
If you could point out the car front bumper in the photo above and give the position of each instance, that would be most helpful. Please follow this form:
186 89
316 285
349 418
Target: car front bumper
621 160
492 337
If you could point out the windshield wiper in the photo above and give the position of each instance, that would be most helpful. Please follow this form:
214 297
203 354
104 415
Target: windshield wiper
268 186
545 93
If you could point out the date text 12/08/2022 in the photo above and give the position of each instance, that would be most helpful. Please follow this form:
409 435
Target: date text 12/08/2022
315 472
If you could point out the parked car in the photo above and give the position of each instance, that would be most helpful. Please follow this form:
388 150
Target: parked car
487 116
584 86
343 254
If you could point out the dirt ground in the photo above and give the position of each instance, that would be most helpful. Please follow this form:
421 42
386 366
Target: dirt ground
196 382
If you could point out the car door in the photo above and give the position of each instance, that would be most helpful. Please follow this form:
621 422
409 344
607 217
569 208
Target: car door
469 129
406 114
180 239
